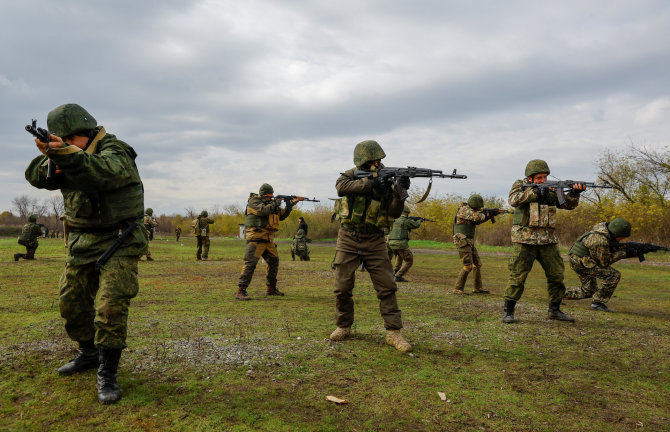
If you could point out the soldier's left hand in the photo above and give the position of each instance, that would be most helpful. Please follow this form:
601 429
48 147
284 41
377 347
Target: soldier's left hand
55 142
404 182
295 200
579 187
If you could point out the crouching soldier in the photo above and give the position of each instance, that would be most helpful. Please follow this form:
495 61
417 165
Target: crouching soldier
299 246
29 235
591 257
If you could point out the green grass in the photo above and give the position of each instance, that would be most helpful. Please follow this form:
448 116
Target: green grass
199 360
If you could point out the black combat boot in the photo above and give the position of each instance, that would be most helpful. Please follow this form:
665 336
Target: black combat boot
596 305
109 391
554 313
18 255
400 279
508 317
86 358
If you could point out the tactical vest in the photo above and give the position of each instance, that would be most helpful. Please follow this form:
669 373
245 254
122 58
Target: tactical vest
300 245
535 215
468 230
29 233
399 232
579 248
104 208
252 220
352 210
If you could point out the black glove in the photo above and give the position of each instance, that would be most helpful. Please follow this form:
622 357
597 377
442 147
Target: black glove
379 183
542 192
630 252
403 182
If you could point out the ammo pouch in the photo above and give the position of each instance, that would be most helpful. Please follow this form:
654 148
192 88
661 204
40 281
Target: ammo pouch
460 240
358 209
541 215
273 222
203 232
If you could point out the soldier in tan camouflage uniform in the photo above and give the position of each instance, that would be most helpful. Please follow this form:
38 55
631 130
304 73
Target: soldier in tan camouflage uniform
591 257
262 217
398 242
534 238
29 235
150 223
201 230
367 207
468 216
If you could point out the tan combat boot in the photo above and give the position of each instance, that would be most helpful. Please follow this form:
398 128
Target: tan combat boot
273 291
458 291
395 339
340 333
242 294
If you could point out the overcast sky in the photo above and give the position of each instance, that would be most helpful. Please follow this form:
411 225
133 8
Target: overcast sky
218 97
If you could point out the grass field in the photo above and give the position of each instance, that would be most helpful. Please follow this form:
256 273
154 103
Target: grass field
199 360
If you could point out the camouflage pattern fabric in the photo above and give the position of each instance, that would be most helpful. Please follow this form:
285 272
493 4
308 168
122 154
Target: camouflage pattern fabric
403 261
29 235
471 262
469 216
252 254
95 304
299 246
149 224
539 228
177 232
597 265
521 263
399 235
202 236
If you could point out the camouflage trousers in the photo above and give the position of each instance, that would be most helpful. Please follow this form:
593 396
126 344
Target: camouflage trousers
588 278
471 263
403 261
352 249
95 304
203 247
253 253
522 262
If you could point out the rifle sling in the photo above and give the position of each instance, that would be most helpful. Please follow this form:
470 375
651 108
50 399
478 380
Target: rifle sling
425 195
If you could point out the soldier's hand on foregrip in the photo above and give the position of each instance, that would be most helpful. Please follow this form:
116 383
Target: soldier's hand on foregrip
379 183
578 188
404 182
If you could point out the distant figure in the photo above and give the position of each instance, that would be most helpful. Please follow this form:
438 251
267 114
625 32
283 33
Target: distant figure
150 223
302 225
398 241
299 246
200 228
177 232
31 231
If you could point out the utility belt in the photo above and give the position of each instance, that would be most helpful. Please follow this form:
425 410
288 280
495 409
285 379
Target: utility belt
258 241
362 228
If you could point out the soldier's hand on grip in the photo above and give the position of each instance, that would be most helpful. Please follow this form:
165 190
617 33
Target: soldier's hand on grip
404 182
379 183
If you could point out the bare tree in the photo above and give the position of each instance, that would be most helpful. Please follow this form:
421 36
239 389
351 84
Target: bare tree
233 210
56 204
24 205
190 212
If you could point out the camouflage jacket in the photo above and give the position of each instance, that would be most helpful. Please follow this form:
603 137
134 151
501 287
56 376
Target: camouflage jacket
29 234
466 215
535 221
599 243
201 228
150 222
399 235
262 217
102 192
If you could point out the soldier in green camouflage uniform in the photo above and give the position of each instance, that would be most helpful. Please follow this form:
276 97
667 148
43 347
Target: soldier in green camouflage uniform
534 238
591 257
150 224
299 246
28 238
262 217
177 233
103 195
398 242
367 207
201 231
468 216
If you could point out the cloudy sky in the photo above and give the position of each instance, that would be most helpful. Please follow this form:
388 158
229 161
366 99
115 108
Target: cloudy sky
218 97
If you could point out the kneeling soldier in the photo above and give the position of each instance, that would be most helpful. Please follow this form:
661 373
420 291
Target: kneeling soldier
591 257
29 235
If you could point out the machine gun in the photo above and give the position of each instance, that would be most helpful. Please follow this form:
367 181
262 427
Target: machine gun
419 218
289 198
44 136
388 173
639 249
123 235
561 185
491 213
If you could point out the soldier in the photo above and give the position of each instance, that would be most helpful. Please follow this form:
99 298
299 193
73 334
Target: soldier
302 225
299 246
150 223
591 257
398 242
177 232
534 238
28 238
468 216
367 207
262 217
201 230
103 194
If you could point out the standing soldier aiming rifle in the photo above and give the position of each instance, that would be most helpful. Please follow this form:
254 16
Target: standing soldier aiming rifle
398 241
177 232
262 217
200 227
28 238
103 196
150 224
469 215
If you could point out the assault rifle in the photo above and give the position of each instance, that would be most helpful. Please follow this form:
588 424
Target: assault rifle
116 245
388 173
561 185
419 218
289 198
491 213
639 249
44 136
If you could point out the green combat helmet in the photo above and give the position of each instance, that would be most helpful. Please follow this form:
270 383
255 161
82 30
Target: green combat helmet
367 151
266 189
32 218
204 213
619 227
537 166
149 211
476 201
68 119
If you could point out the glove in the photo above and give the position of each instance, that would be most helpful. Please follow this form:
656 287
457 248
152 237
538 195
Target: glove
542 192
630 252
379 183
578 191
403 182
